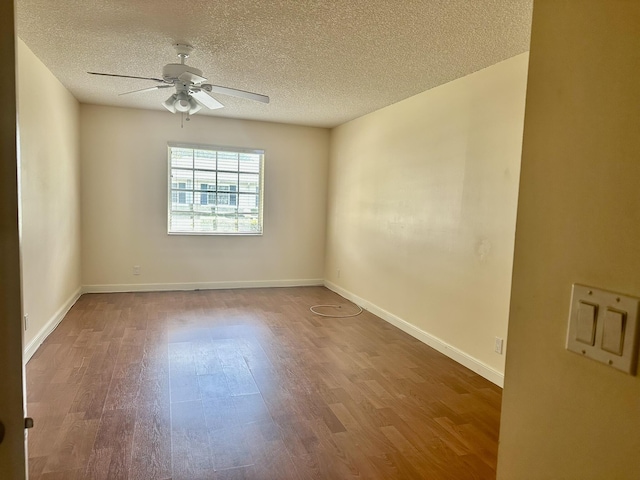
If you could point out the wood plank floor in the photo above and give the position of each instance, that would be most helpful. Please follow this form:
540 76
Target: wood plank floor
248 384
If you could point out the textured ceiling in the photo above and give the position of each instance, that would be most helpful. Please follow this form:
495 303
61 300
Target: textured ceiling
321 62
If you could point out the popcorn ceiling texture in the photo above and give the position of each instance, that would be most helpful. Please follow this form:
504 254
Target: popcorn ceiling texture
322 63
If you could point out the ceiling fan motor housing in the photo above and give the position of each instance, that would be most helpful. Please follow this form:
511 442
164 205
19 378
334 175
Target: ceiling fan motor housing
172 71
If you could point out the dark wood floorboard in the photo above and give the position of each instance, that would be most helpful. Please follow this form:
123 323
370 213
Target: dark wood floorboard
250 385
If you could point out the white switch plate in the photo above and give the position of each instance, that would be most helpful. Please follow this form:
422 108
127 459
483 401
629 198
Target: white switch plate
605 303
498 345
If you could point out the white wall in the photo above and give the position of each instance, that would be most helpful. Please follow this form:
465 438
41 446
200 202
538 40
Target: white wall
124 204
48 118
565 416
422 204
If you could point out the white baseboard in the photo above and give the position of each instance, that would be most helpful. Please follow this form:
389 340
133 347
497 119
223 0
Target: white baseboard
441 346
165 287
50 326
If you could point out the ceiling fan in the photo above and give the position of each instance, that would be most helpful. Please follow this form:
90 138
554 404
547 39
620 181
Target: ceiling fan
191 93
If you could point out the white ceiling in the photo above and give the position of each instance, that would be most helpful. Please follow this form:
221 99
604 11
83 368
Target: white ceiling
321 62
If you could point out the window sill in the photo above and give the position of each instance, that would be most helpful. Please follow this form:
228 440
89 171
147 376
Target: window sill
217 234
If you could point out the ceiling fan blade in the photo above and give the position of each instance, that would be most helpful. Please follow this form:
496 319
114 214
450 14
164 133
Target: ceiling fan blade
126 76
205 99
189 77
236 93
157 87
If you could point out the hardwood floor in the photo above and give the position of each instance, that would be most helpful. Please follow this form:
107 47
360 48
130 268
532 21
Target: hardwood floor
248 384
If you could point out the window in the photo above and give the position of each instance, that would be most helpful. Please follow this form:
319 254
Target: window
215 190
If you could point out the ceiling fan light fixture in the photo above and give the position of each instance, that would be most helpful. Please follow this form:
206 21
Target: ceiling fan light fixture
181 103
169 103
194 106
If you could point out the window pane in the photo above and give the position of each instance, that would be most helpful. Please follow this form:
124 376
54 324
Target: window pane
228 161
205 159
249 182
247 203
230 199
227 182
205 201
204 223
248 224
181 222
181 157
250 162
227 218
205 180
184 200
181 178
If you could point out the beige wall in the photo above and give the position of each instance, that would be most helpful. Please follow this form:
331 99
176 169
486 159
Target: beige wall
124 203
50 194
422 203
564 416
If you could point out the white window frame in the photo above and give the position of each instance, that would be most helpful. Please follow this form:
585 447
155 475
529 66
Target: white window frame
196 191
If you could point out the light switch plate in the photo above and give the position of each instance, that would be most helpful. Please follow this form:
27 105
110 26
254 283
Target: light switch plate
618 312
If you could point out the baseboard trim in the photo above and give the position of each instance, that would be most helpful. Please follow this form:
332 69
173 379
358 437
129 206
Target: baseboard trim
434 342
165 287
50 326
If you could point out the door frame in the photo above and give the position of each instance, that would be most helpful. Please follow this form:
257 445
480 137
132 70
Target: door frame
12 394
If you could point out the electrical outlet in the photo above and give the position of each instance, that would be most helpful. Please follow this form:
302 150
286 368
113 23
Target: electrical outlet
136 270
26 321
338 273
498 345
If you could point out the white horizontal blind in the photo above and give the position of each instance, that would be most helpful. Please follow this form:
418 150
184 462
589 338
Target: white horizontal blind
215 190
